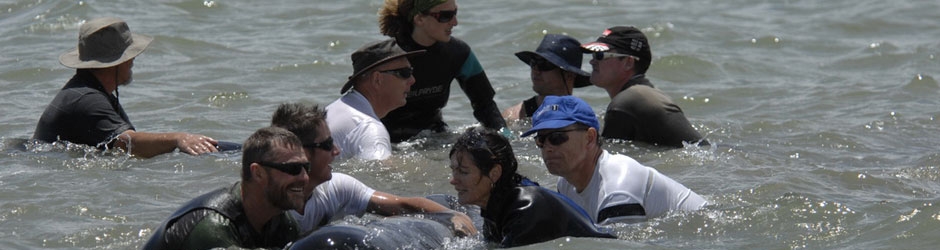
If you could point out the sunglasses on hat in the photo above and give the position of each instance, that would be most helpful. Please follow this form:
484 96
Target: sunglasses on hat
324 145
555 137
403 73
542 64
604 55
291 168
443 16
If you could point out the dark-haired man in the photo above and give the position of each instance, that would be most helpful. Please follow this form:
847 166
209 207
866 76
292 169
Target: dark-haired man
637 110
252 213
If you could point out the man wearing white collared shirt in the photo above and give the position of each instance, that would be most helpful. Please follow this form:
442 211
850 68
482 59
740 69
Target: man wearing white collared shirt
382 77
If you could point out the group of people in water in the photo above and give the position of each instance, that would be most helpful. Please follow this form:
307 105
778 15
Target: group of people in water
397 90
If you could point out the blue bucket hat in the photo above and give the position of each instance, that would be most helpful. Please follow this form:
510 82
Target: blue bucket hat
562 51
562 111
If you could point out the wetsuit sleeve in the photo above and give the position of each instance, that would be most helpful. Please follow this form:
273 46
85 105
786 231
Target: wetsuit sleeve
211 232
476 85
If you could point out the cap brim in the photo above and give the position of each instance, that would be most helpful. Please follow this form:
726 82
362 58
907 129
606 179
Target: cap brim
71 58
594 47
556 124
349 83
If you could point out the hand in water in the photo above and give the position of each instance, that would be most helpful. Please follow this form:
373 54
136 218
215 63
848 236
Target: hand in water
196 144
463 226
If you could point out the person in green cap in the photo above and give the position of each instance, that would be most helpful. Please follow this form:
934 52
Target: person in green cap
427 25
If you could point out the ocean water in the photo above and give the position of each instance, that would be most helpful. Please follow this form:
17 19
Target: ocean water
825 113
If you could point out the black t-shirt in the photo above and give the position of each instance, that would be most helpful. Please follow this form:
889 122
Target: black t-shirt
434 71
641 112
82 112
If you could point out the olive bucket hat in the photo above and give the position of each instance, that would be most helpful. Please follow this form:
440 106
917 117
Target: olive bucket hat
104 42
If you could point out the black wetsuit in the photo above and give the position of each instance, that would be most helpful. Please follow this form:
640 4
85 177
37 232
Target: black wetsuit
532 214
640 112
434 72
82 112
217 219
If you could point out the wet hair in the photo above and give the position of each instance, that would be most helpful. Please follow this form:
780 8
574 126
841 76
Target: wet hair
298 118
488 148
394 18
261 146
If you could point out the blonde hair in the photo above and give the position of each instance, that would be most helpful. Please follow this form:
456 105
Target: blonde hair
393 18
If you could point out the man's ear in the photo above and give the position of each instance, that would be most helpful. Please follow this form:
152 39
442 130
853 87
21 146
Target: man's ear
258 173
591 136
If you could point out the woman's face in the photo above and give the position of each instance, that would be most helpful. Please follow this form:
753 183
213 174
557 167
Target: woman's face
473 187
428 28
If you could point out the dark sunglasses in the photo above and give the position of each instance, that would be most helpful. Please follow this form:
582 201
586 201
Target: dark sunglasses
324 145
555 137
291 168
403 73
604 55
443 16
542 65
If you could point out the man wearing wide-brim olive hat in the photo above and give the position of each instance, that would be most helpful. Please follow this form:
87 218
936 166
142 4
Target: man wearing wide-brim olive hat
87 111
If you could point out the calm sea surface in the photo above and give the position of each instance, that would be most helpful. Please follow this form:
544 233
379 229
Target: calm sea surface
825 112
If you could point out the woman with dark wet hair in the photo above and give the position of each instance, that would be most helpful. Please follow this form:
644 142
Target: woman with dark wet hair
516 210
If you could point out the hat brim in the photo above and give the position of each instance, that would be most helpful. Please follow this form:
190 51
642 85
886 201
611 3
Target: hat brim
349 83
582 78
71 58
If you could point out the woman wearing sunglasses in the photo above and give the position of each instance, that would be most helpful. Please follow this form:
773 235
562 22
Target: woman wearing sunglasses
516 210
427 25
555 70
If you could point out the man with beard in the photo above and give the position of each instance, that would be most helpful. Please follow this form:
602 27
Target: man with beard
331 196
87 111
252 213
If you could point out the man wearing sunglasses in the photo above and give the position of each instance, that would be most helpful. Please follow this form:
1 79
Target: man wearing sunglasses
555 69
252 213
612 188
332 196
381 79
637 110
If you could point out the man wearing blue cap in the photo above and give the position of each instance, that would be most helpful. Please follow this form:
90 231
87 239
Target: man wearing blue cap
555 69
610 187
637 111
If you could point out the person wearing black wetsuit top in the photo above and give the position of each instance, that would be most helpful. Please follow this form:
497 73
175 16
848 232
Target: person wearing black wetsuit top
427 26
516 211
637 110
253 212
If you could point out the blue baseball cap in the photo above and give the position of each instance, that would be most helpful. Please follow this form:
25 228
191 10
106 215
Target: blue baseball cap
562 111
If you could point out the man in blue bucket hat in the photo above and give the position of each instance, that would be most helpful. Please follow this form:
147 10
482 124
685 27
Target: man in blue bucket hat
555 69
610 187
